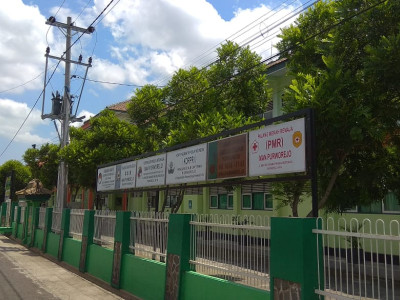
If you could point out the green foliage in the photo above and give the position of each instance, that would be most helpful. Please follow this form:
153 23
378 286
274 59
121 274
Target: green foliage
108 139
22 176
43 163
197 103
291 193
349 75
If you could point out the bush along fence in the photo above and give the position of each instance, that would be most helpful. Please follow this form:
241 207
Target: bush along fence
181 256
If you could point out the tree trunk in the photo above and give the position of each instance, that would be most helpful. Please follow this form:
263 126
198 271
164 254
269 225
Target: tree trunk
165 200
295 205
329 188
179 201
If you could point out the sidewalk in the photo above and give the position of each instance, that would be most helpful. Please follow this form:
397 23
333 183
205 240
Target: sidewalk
27 275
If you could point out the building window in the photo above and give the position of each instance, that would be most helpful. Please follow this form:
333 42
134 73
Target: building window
373 208
213 201
171 200
268 203
391 203
258 201
353 209
222 201
230 201
246 201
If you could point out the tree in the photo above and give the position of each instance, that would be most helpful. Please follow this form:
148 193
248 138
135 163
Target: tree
43 163
291 193
21 179
108 139
197 103
348 74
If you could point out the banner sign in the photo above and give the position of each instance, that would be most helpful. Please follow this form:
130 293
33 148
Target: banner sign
126 175
151 171
106 178
187 165
227 158
278 149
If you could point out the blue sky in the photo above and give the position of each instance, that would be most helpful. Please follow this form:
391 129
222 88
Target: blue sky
136 42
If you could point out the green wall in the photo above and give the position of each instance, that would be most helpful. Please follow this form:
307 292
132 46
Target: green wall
99 262
38 239
53 241
143 278
201 287
71 252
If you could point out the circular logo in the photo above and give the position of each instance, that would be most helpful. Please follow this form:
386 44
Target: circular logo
100 178
297 139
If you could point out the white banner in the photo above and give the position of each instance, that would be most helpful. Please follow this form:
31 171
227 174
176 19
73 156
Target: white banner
278 149
125 178
187 165
151 171
106 178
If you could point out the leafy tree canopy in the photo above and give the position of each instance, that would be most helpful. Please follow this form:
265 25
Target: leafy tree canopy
108 139
198 102
349 74
22 176
43 163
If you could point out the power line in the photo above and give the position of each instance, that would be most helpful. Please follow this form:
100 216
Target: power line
298 44
41 93
253 37
83 9
59 8
108 82
22 84
26 118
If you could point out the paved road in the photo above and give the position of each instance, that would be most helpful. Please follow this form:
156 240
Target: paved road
27 275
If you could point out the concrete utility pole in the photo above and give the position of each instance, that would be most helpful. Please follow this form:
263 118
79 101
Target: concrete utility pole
65 117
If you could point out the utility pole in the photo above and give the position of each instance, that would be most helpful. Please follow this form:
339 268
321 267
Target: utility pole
65 117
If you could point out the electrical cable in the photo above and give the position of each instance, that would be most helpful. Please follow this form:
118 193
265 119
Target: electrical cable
114 83
59 8
83 9
41 93
274 12
22 84
107 12
26 82
298 44
26 118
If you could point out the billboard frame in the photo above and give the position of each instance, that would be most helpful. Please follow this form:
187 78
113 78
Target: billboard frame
311 158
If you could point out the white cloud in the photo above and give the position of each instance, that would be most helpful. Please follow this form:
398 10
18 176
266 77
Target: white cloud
22 44
12 115
154 38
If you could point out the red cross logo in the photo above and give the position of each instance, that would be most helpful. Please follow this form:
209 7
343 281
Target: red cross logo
254 146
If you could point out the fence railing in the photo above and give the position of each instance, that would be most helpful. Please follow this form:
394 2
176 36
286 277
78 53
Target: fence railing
76 223
56 220
42 216
104 228
22 215
235 248
149 234
15 213
360 259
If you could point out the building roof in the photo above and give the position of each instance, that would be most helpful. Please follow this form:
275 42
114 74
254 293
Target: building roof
34 187
120 106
